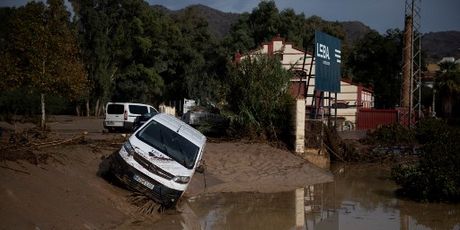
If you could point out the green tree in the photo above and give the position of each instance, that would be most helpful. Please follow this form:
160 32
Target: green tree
136 36
188 56
202 62
138 53
7 59
261 25
125 45
375 61
265 22
448 84
194 60
258 97
43 52
293 27
240 38
95 23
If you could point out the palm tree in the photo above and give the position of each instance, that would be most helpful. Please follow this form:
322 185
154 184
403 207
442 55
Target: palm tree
448 84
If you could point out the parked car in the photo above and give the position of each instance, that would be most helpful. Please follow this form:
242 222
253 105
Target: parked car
202 116
208 121
121 116
160 158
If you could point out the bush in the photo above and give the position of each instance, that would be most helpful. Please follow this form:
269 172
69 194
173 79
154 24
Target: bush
393 134
435 177
26 103
428 128
258 99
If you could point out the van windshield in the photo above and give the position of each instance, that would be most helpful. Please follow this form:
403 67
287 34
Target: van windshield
170 143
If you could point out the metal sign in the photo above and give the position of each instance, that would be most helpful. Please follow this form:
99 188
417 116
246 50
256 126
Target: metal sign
327 62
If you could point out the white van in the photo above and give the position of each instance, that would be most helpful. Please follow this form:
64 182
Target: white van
120 115
160 158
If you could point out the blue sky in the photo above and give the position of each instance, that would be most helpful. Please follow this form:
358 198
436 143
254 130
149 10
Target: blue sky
437 15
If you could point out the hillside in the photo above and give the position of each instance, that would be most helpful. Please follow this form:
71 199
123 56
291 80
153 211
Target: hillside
355 30
219 22
436 45
442 44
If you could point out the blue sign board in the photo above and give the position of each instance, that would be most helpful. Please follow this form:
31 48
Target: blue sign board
327 62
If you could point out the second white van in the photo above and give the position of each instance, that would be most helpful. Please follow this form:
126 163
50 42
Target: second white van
121 115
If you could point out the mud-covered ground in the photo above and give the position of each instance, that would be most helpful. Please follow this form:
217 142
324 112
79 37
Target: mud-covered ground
52 180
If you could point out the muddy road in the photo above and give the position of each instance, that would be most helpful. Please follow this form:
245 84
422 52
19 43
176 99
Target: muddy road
64 188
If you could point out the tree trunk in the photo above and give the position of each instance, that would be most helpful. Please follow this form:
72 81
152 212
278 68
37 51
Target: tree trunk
42 101
96 109
77 109
447 105
87 108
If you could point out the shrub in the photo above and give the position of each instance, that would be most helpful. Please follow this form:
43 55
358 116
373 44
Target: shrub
426 129
258 98
26 103
435 177
393 134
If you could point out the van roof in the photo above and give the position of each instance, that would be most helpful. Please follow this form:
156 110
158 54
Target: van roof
182 128
129 103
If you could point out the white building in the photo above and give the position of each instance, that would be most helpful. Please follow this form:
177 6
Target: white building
350 98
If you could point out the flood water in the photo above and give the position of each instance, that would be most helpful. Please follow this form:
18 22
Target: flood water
361 197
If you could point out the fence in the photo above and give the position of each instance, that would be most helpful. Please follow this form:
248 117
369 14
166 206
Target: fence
167 109
373 118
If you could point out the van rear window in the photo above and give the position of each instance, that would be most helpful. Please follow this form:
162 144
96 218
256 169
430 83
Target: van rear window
115 109
138 109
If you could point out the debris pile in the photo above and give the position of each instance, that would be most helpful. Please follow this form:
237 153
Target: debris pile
26 145
145 204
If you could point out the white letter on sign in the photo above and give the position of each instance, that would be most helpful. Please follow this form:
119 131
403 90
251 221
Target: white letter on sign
322 51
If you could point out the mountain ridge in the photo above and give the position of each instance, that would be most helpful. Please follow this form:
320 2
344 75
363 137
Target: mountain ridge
435 44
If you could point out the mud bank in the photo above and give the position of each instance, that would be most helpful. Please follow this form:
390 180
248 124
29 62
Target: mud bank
255 167
67 193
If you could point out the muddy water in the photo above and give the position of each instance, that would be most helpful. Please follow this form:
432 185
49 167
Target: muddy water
365 199
361 197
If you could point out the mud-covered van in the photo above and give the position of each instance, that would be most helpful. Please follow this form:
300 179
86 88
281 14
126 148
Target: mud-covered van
160 158
121 115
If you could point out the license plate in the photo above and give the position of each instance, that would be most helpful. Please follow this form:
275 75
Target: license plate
109 122
143 181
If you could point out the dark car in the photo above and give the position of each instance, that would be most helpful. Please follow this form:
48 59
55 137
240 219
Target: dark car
140 120
208 121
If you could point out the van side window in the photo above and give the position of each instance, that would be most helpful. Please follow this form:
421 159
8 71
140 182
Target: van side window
115 109
138 109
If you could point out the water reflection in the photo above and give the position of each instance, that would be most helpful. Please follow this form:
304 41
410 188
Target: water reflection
246 211
364 198
361 197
